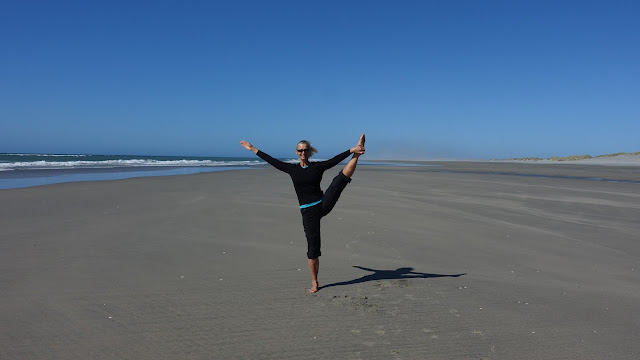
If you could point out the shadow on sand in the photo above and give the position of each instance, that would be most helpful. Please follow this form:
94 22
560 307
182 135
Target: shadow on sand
400 273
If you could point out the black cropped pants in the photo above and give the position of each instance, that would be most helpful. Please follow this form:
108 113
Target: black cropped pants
311 216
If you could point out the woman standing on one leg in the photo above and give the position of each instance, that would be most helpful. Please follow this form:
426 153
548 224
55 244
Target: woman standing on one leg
314 205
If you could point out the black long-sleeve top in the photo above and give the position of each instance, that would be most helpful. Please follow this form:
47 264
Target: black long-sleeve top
306 181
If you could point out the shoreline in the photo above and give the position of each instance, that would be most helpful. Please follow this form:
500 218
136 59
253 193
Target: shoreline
579 170
24 178
30 178
621 160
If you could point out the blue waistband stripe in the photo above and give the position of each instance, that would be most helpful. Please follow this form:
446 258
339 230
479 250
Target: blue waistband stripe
310 204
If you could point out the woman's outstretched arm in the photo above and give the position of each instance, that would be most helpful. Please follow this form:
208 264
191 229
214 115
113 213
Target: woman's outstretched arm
356 151
328 164
282 166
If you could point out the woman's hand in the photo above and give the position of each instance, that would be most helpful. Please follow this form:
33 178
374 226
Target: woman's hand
359 148
247 145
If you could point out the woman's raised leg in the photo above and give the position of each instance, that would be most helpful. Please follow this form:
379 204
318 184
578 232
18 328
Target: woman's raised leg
357 150
350 168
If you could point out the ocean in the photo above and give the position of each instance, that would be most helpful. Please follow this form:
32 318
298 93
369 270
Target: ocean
26 170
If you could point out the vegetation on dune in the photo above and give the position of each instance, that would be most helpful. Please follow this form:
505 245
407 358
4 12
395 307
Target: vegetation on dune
570 158
577 157
618 154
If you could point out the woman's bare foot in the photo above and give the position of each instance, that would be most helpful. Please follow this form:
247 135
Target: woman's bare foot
314 266
359 148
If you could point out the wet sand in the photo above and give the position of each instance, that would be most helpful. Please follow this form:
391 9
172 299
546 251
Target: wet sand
459 261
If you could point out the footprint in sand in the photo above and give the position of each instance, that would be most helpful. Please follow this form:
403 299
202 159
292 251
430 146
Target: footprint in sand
356 303
383 285
401 282
478 332
429 331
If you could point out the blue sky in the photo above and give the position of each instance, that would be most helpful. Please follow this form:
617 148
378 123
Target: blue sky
423 79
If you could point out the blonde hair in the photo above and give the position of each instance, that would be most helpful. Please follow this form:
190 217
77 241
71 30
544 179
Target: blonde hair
311 148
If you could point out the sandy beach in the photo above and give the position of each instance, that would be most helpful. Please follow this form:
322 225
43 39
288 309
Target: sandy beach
483 260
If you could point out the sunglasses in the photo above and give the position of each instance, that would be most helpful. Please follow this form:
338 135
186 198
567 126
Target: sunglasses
302 150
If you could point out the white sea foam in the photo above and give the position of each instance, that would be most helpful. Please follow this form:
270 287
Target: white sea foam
49 155
47 165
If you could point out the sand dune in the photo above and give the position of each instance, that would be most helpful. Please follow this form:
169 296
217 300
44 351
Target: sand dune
619 160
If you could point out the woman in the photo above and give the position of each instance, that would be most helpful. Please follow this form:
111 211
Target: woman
314 205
